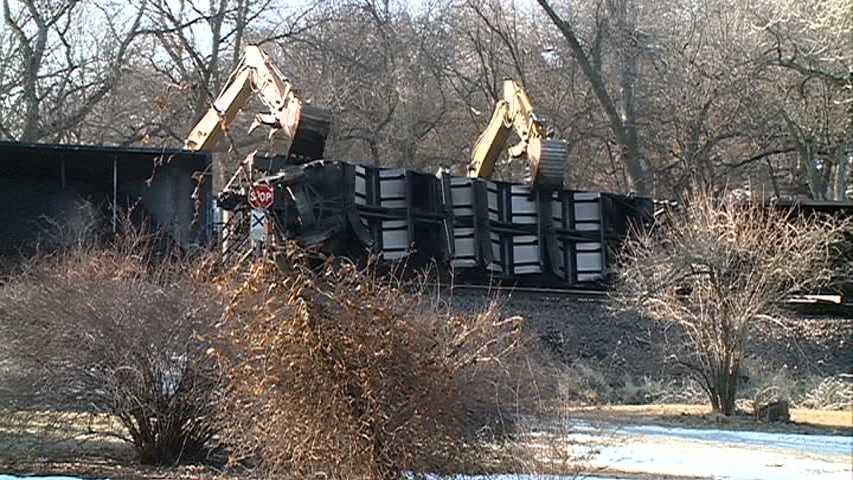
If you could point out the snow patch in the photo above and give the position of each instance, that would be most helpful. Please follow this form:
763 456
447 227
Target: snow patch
818 444
719 454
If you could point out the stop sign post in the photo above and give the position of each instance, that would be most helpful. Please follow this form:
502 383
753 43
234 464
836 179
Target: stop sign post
261 196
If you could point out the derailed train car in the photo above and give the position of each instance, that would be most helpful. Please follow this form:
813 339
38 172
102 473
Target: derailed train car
482 231
52 193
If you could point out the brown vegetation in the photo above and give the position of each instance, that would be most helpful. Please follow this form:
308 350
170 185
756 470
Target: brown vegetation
115 331
302 365
336 372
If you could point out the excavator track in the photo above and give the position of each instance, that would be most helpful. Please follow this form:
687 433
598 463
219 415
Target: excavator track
309 140
547 160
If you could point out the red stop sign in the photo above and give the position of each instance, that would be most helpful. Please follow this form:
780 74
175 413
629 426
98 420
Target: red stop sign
261 196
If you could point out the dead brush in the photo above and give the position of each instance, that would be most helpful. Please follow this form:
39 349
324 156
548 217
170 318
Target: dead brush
335 373
112 330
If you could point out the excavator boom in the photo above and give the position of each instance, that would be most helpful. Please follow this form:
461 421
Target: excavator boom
546 157
305 125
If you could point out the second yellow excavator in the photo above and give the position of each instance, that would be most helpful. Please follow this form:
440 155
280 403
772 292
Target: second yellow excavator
546 157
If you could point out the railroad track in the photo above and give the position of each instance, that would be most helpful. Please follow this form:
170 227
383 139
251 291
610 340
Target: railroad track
591 295
806 303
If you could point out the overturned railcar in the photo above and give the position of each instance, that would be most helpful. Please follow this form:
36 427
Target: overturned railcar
50 193
483 232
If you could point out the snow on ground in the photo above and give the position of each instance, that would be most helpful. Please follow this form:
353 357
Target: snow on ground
724 455
818 444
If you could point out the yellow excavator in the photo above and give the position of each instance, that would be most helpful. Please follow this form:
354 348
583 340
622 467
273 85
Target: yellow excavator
305 125
546 157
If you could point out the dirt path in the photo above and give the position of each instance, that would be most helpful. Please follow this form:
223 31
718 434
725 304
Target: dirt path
699 416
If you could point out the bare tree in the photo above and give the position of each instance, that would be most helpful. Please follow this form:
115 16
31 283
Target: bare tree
64 73
203 40
620 111
651 97
185 49
382 68
717 270
810 43
9 80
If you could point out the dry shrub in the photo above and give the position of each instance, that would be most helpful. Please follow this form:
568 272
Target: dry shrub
335 373
717 271
830 393
813 392
116 331
585 383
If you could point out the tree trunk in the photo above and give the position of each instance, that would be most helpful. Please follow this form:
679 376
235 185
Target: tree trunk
624 130
807 159
32 53
629 76
724 390
817 184
841 173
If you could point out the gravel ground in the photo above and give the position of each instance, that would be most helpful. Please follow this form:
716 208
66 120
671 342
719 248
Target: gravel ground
575 328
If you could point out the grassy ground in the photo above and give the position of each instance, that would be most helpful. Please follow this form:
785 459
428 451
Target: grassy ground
87 446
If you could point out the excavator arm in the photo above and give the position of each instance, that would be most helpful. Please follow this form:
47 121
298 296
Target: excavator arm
305 125
546 157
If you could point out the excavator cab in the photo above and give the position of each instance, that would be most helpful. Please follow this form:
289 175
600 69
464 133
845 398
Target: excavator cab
305 125
546 157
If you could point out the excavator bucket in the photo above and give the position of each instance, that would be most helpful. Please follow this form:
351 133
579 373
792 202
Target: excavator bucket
309 138
547 161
